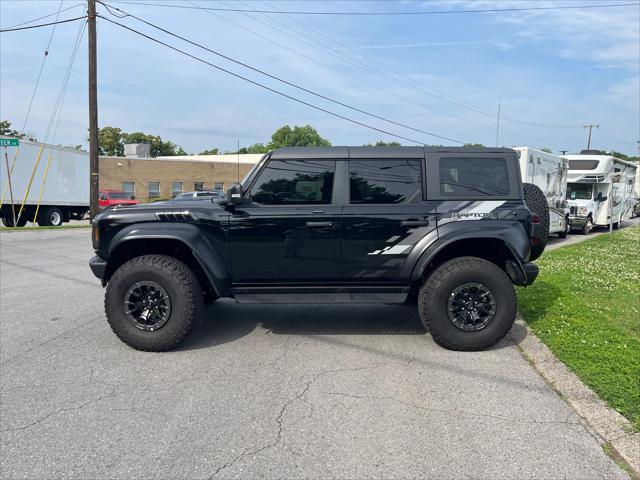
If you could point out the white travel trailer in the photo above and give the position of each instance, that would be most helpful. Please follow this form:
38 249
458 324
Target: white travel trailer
549 173
600 190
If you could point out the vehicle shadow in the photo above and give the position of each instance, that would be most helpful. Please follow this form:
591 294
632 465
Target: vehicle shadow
226 321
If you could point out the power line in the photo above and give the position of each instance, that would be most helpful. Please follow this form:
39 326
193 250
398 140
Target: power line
414 85
44 59
262 72
258 84
392 76
420 12
42 24
46 16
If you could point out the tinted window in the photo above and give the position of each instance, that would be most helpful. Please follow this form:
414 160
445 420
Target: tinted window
295 182
473 176
583 164
385 181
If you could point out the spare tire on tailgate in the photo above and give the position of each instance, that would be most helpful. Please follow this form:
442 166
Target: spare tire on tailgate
537 203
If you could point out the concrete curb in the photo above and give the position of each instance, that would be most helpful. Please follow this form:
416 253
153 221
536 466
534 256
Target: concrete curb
610 425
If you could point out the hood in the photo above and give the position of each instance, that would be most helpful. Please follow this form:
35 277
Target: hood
154 211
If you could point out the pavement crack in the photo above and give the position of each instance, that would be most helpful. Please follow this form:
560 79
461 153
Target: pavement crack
61 410
281 415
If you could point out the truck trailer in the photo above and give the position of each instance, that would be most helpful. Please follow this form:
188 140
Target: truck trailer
549 173
49 184
600 190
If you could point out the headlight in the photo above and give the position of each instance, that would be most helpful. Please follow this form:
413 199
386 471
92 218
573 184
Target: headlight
582 211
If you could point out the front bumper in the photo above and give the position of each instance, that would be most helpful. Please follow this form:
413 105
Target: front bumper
98 266
577 222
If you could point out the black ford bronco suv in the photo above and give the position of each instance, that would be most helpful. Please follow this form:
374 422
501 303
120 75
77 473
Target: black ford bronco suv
446 228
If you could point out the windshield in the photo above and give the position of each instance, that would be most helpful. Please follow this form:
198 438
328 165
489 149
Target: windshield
579 191
120 196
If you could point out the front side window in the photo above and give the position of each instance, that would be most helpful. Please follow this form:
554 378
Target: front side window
579 191
385 181
295 182
176 188
473 176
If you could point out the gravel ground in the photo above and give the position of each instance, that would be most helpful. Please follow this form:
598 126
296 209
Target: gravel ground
261 391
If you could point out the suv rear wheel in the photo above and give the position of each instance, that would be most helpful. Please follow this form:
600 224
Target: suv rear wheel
467 303
152 302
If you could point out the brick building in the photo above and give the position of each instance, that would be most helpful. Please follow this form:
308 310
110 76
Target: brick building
165 177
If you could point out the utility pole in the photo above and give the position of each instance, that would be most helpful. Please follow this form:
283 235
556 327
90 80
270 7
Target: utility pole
590 127
93 111
498 125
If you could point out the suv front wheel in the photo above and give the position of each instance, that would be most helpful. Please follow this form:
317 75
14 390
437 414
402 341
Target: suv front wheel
468 303
152 302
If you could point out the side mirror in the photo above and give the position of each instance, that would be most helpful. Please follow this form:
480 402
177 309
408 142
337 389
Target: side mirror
601 198
234 194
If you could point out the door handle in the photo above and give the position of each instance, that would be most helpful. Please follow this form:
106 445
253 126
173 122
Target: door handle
319 224
415 222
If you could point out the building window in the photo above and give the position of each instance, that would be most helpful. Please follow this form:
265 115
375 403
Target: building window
385 181
198 186
176 188
154 190
218 186
129 187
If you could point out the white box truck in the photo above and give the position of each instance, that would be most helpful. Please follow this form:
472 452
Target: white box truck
600 190
549 173
54 181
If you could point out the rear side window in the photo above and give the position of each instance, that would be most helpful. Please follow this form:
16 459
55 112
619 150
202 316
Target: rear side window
295 182
385 181
474 176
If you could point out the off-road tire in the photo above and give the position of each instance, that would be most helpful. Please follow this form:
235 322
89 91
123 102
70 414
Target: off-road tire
51 217
184 291
434 294
537 203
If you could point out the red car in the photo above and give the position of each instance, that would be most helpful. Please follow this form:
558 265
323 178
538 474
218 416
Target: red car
108 198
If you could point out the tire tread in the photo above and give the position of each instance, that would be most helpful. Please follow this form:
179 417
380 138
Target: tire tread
186 281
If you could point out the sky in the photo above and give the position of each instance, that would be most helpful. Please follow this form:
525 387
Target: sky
551 71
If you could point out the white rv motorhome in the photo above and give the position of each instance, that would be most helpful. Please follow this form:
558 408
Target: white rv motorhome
600 190
549 173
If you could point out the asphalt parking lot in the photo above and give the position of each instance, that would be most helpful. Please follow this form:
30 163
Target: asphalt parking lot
261 391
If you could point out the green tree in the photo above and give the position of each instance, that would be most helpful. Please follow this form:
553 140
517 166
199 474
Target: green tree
382 143
473 145
111 141
622 156
305 136
548 150
7 131
213 151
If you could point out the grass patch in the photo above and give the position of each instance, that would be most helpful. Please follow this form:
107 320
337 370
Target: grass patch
62 227
585 306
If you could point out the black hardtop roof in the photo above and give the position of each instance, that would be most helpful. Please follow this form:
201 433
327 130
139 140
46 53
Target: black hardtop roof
377 152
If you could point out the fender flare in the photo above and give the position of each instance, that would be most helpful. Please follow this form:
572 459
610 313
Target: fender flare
511 234
188 234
